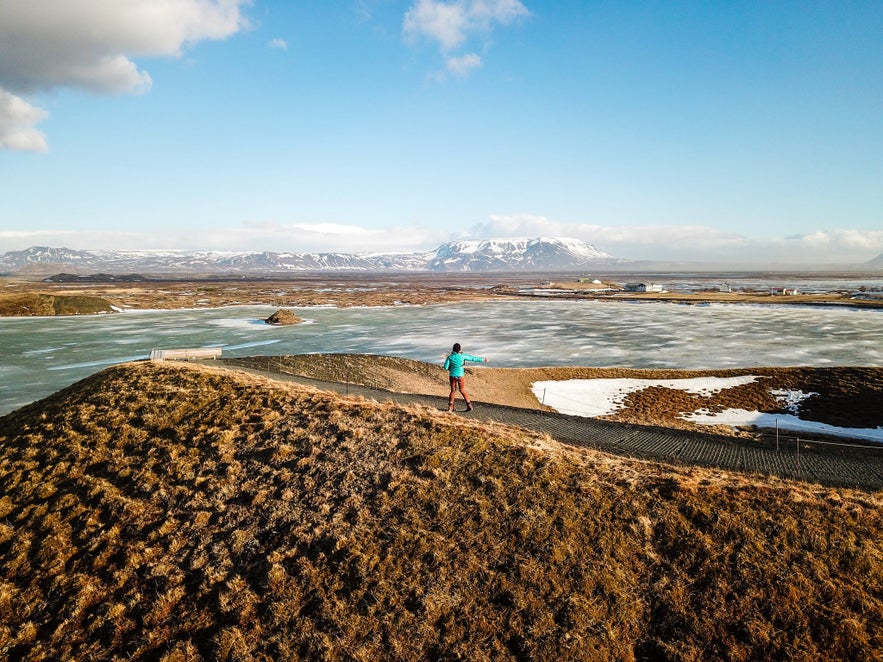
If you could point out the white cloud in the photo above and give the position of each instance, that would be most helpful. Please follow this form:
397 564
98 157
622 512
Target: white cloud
279 44
18 120
329 237
442 22
863 240
695 243
452 24
89 44
461 66
249 236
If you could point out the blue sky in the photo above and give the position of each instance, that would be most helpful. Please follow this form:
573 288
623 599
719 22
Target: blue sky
722 131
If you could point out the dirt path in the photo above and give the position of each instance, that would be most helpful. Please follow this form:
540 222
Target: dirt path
841 465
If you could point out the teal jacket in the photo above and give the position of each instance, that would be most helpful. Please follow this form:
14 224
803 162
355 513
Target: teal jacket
454 363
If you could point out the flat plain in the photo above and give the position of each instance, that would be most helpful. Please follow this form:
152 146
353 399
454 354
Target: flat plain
23 295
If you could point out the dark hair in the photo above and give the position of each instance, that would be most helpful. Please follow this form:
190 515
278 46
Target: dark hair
456 347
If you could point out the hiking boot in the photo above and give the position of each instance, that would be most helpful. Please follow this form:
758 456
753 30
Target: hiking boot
468 406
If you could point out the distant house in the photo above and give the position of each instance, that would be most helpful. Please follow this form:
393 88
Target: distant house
644 287
783 291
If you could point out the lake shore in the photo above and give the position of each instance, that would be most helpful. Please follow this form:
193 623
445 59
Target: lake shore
21 296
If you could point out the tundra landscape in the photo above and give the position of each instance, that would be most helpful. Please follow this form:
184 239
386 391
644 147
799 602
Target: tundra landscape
243 241
176 511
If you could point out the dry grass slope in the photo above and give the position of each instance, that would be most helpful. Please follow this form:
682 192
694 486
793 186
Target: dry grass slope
178 513
38 304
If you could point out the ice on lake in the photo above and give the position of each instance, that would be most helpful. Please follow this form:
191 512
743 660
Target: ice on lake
38 356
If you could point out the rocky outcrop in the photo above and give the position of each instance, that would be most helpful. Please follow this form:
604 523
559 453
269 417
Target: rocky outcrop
283 318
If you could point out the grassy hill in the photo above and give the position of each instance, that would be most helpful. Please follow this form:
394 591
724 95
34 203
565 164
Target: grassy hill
28 304
179 512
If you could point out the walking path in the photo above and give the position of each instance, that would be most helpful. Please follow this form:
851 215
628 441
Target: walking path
845 465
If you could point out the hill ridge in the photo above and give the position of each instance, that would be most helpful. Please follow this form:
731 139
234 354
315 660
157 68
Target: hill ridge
543 253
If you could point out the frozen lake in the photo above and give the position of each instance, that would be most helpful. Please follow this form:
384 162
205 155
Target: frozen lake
39 356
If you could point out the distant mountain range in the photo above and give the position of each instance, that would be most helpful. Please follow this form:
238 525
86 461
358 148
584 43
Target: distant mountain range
542 254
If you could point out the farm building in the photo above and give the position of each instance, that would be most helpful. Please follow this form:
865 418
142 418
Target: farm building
647 286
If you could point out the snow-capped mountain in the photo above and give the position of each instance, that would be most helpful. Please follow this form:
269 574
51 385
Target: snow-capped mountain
543 254
45 255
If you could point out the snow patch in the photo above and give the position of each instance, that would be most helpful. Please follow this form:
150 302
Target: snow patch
790 400
600 397
743 418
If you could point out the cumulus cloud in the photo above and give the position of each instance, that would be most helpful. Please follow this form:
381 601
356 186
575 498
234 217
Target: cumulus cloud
89 44
695 243
18 120
451 25
332 237
461 66
861 240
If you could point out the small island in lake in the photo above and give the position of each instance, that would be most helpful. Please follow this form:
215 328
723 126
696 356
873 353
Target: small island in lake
283 318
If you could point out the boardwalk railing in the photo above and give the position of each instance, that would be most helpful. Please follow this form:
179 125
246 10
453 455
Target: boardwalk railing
185 354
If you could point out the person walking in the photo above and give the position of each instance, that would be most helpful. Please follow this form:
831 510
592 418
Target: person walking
454 364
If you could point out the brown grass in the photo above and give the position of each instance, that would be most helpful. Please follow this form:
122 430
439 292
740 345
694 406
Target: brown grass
178 513
31 304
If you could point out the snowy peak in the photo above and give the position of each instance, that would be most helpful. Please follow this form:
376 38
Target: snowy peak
543 254
516 255
45 255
